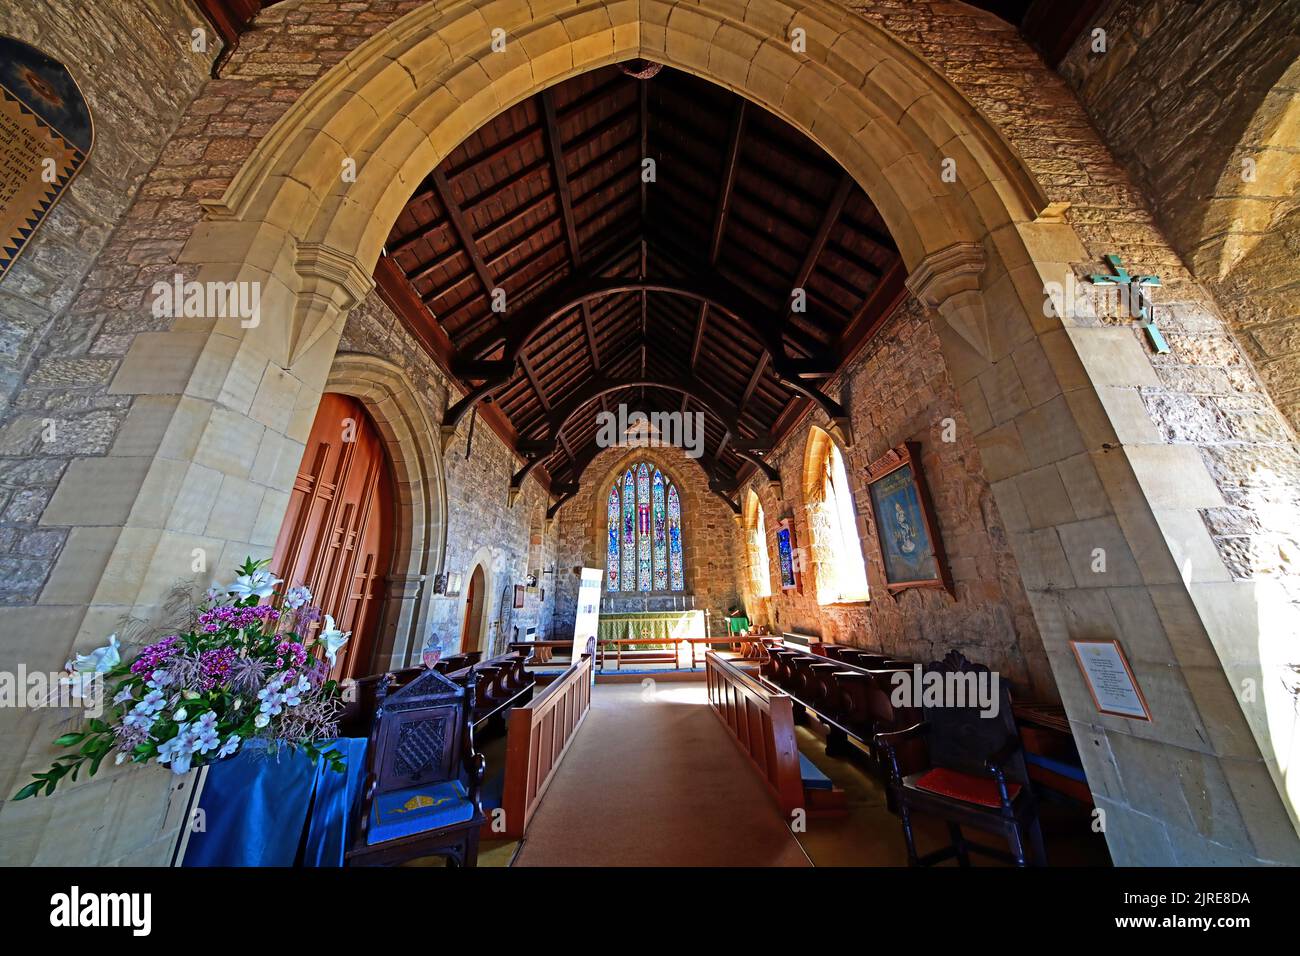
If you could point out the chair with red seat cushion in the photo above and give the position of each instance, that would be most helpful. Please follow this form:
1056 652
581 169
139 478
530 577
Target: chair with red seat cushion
976 775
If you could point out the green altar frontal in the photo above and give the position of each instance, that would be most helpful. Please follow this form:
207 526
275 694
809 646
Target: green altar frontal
665 626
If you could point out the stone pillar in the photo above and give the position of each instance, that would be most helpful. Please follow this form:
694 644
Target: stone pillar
822 531
197 479
1103 517
406 594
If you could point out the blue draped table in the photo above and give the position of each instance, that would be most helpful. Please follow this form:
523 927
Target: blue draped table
260 808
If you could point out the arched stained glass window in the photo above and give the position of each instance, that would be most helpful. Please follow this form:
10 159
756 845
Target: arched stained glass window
643 574
675 539
611 557
644 546
629 532
660 519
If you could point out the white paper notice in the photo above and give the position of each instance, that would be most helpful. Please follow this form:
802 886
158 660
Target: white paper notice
1109 677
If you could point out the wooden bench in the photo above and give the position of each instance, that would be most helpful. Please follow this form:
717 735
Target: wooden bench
650 655
538 736
761 719
500 684
850 699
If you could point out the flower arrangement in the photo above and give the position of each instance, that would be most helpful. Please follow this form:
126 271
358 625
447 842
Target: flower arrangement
241 672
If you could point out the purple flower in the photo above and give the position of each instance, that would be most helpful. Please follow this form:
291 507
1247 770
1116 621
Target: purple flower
214 666
155 655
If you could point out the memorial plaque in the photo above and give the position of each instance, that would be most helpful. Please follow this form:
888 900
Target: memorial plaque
45 137
1110 680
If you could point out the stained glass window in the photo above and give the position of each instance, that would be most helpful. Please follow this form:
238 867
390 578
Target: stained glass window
611 557
644 547
660 533
675 539
629 532
643 528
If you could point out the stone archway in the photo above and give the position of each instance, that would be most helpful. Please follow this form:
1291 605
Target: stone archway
980 251
420 528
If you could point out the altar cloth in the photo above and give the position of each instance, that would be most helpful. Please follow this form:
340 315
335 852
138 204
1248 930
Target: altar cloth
663 626
259 809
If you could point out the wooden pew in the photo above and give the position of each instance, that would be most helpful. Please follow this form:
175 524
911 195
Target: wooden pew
538 736
501 683
762 721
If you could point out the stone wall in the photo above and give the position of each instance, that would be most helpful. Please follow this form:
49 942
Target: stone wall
159 151
899 390
710 533
1165 445
138 73
1227 75
480 525
1226 604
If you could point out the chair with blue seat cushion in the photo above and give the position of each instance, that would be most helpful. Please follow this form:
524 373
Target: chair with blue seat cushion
423 776
401 813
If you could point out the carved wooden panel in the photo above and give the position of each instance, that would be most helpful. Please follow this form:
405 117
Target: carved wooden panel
337 534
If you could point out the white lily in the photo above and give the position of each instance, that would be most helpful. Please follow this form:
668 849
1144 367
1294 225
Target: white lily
332 639
99 661
259 583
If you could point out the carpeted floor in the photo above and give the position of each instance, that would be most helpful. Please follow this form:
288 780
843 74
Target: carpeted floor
654 779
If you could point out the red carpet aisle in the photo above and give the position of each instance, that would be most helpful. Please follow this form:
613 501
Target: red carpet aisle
654 779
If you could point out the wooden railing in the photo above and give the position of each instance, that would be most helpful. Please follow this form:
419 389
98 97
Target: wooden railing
762 720
538 735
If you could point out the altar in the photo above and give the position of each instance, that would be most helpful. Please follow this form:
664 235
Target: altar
665 626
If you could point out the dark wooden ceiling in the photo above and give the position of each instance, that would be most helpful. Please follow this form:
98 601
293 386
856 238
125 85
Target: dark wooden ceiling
666 295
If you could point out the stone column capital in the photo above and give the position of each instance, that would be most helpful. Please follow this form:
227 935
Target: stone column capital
330 284
948 282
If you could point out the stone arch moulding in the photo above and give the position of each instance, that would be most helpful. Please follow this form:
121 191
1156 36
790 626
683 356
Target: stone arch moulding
399 103
491 561
402 101
420 541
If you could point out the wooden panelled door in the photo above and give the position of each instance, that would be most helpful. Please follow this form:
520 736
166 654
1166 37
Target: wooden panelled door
473 611
337 536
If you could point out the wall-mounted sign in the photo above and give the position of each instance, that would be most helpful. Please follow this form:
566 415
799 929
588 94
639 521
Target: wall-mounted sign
1110 680
45 137
910 549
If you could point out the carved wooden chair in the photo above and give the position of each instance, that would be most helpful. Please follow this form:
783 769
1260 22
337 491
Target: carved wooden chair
976 776
423 778
358 715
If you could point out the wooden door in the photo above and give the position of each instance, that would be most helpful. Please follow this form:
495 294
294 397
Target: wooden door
473 611
337 535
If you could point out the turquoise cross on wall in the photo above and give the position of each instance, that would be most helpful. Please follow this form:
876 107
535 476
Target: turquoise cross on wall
1137 286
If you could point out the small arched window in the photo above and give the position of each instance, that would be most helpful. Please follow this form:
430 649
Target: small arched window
760 571
833 523
644 527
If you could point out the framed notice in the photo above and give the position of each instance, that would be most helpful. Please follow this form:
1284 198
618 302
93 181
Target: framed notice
1110 680
910 549
45 136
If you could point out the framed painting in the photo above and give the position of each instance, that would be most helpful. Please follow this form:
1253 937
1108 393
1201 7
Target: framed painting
519 595
910 549
787 553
